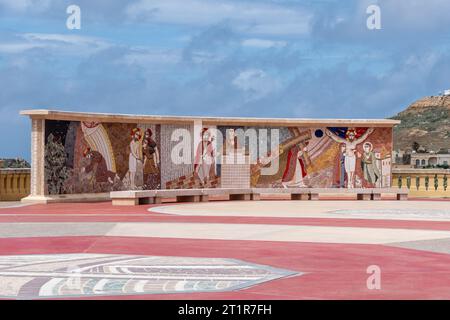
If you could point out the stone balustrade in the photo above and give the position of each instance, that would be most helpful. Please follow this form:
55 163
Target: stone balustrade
427 183
14 184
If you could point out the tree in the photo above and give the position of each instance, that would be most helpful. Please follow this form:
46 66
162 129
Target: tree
56 171
406 159
415 146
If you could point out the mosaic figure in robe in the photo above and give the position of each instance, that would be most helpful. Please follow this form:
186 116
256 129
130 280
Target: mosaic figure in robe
204 165
295 170
135 157
350 142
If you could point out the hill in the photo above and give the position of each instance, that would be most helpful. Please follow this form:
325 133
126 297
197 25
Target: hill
14 163
427 122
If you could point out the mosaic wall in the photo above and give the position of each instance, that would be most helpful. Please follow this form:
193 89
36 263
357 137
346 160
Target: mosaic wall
92 157
171 172
328 158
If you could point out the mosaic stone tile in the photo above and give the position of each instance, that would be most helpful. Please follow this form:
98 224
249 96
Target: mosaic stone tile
78 275
90 157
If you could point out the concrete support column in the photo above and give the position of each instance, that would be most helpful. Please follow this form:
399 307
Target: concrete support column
256 197
364 196
37 183
402 197
188 198
314 196
241 197
300 196
375 196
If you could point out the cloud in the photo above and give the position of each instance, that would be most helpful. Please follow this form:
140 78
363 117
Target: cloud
146 57
263 43
25 5
402 21
247 16
345 93
70 44
256 83
416 15
213 44
271 58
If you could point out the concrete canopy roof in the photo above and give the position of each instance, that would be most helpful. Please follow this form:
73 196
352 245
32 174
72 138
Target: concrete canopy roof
231 121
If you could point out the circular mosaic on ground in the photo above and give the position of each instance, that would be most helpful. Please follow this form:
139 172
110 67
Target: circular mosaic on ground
63 275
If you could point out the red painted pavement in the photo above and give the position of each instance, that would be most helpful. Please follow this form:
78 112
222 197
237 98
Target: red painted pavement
333 271
105 212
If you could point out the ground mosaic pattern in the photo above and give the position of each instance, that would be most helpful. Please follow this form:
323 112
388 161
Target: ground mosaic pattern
63 275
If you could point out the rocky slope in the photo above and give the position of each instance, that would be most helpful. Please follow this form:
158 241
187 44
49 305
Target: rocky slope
14 163
427 122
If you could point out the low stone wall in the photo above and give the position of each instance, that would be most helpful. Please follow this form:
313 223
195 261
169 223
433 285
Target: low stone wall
427 183
14 184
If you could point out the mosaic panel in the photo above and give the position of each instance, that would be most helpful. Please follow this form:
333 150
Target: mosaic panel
172 172
93 157
89 157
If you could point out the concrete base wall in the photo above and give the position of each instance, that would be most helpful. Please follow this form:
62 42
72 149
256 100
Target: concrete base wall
97 197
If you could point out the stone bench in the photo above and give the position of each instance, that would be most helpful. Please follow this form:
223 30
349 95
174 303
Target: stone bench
132 197
181 195
401 194
361 194
295 193
314 193
243 194
364 194
138 197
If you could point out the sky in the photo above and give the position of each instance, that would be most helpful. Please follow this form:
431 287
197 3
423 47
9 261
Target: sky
256 58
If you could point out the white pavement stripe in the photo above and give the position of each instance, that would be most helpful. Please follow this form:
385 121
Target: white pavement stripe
53 229
314 209
255 232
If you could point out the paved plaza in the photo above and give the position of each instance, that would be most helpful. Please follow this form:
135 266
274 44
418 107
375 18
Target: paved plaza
226 250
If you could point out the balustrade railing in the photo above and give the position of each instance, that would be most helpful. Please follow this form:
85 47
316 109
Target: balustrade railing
14 184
